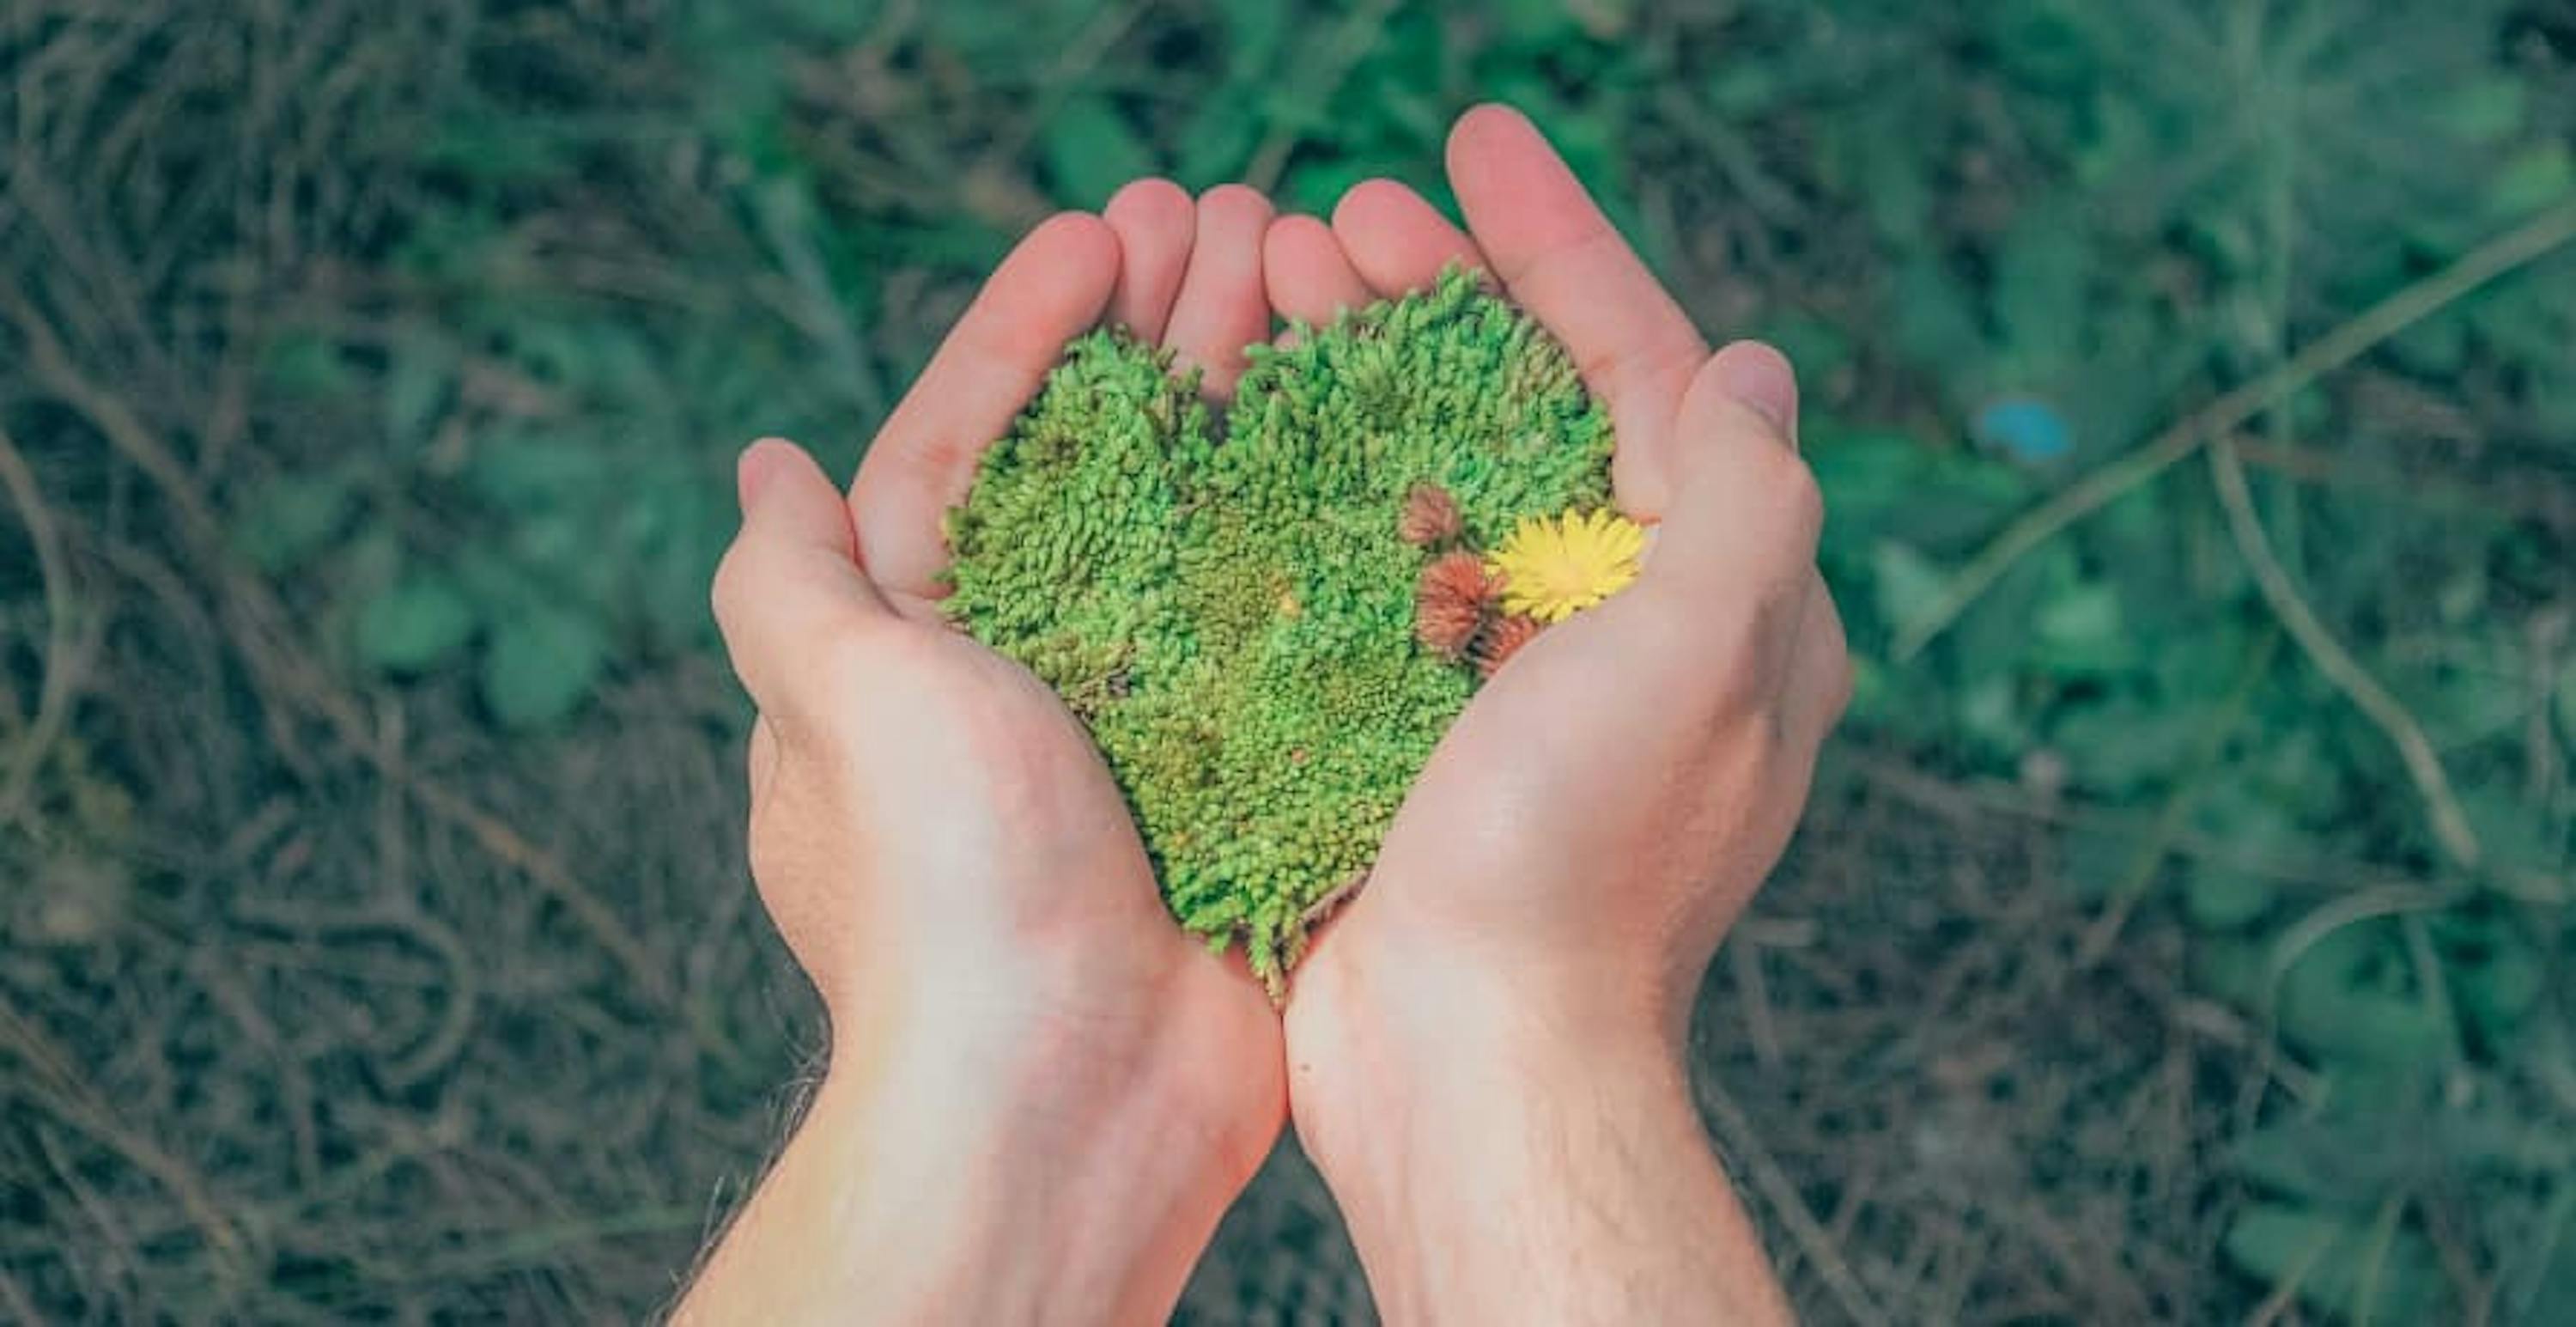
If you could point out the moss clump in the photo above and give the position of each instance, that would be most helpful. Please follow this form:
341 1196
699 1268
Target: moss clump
1232 611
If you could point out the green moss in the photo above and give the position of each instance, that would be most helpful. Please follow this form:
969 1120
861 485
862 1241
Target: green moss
1233 617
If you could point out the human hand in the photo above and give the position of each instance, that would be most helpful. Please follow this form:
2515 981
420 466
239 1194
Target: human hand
1510 991
1041 1093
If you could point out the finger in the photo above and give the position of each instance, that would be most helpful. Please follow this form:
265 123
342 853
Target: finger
1744 513
1155 222
1308 277
1222 308
1757 375
1396 241
792 574
1048 291
1561 259
1743 378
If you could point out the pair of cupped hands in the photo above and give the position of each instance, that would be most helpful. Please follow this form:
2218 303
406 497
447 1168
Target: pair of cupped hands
1042 1094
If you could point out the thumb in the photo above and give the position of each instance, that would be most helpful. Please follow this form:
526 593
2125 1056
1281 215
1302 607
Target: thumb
1745 511
791 579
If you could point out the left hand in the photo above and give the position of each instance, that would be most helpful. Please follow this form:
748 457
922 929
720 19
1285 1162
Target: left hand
1042 1093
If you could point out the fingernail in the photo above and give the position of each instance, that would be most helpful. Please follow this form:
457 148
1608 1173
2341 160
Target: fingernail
1761 378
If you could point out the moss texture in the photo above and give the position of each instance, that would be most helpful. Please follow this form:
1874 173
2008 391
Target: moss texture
1230 604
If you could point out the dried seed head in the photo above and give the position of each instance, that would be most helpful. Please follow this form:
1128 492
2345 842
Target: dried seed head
1431 518
1446 628
1460 577
1502 638
1450 601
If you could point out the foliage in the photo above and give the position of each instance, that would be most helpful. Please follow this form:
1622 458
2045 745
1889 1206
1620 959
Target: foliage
2333 152
1235 623
448 317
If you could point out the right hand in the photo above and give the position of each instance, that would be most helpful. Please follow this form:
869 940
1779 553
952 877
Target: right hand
1583 837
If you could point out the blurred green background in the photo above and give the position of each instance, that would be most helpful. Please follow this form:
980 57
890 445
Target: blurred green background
2181 930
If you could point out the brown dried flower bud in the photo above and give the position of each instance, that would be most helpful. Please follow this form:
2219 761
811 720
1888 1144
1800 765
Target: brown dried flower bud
1431 518
1450 602
1501 639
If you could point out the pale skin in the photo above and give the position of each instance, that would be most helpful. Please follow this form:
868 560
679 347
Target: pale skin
1041 1096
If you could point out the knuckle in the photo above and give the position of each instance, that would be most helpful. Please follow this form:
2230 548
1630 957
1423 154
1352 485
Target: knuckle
1771 616
1793 487
727 590
1843 677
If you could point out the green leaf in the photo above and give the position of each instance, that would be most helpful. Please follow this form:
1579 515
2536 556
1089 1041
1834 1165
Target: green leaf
828 20
541 666
1217 143
416 625
2120 746
2531 180
2436 345
2566 699
1536 22
2495 969
1254 31
1870 480
1933 320
2547 1292
524 472
1743 88
2043 275
2351 997
493 146
2347 1160
2221 898
1908 583
417 389
1873 691
2340 1266
1091 150
2080 630
1988 713
306 364
290 516
2231 968
2484 109
1818 348
2240 811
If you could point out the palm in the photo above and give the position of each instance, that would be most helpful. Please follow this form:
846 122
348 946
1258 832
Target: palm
987 751
1541 236
1116 969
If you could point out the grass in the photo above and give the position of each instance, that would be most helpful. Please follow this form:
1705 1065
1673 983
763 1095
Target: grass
2181 927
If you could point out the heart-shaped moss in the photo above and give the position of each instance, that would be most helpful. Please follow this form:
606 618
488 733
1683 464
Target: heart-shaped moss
1240 613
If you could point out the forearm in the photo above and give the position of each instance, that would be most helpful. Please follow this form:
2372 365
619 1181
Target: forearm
1502 1172
899 1202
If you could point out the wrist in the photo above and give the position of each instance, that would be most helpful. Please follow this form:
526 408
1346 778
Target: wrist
975 1165
1396 1061
1517 1150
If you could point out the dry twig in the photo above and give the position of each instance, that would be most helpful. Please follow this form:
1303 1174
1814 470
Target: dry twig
2423 765
2515 248
53 695
1778 1190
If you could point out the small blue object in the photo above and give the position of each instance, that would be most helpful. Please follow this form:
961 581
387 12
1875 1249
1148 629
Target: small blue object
2025 429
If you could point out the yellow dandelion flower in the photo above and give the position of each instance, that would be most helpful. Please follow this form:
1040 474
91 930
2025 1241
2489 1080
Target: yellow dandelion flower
1553 567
